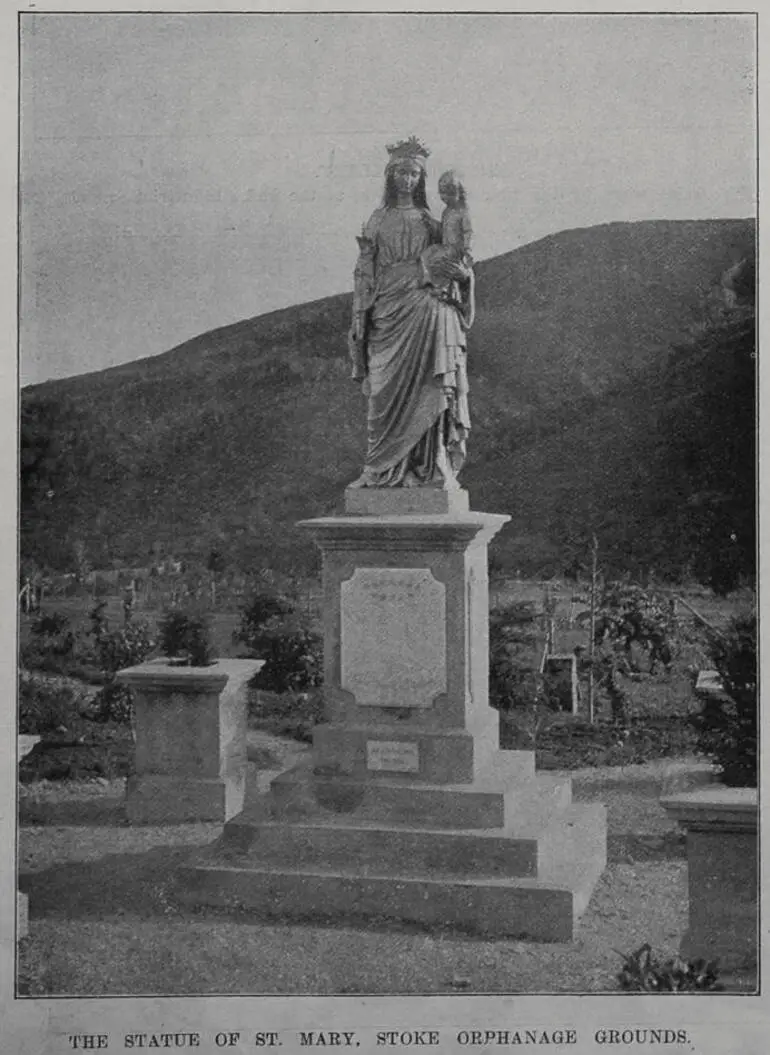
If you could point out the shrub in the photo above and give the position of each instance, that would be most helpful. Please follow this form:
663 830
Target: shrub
727 724
44 706
187 636
118 649
113 703
124 647
293 653
513 680
54 647
642 972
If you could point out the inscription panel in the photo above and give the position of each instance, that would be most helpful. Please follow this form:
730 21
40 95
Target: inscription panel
395 756
393 637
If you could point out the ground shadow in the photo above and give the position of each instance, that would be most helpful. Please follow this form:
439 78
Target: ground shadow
94 812
114 885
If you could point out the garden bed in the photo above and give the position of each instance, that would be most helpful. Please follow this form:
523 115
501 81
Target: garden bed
573 743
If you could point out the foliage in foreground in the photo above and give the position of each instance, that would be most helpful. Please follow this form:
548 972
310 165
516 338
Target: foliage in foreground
643 972
727 724
273 630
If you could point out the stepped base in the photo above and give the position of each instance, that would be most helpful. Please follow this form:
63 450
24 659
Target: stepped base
506 856
545 907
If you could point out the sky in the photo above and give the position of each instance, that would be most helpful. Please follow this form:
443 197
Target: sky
183 172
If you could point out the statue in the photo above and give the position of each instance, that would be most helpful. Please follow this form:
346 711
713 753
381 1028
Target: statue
412 306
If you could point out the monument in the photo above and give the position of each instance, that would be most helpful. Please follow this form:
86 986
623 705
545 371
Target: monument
406 808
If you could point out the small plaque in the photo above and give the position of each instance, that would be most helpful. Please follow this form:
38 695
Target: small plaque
396 756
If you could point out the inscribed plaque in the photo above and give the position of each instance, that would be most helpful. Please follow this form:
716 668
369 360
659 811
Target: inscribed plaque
396 756
393 637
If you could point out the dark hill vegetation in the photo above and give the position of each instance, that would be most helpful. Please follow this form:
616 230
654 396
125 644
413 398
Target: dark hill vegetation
583 345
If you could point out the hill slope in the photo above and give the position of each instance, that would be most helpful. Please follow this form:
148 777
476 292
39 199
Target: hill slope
231 437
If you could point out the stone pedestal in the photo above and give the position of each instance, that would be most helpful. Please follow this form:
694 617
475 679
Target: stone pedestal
723 880
407 808
190 725
25 744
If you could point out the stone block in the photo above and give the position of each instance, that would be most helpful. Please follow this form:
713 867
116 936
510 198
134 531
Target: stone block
404 501
723 877
190 729
454 757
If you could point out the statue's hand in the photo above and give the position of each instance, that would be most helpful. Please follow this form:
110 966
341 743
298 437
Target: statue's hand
458 271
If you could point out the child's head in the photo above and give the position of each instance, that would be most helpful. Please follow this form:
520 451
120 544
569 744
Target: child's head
450 188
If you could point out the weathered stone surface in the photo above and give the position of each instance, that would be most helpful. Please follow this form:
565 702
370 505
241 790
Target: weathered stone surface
723 877
407 808
190 727
403 501
393 637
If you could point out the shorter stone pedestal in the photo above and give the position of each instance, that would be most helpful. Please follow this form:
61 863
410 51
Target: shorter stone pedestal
190 741
26 744
407 808
721 826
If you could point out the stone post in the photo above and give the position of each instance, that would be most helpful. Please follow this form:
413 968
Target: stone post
721 826
190 725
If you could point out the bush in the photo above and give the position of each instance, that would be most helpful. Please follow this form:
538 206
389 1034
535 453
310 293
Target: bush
113 703
44 706
727 724
293 653
117 650
55 648
187 636
642 972
513 679
124 647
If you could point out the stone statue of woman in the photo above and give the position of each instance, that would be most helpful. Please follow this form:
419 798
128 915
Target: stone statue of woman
407 340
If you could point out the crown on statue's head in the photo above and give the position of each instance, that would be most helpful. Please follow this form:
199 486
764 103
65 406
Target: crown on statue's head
410 149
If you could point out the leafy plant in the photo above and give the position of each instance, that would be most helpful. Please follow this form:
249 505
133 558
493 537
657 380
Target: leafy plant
513 681
631 618
113 703
727 723
124 647
642 972
272 630
44 706
187 636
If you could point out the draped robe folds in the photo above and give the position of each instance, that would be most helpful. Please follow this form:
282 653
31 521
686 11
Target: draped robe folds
413 354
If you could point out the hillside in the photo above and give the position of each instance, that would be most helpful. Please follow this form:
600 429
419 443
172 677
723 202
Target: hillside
231 437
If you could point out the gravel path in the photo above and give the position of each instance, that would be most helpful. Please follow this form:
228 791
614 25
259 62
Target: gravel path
102 919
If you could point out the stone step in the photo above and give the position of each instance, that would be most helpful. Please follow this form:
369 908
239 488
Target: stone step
541 843
330 844
545 908
300 793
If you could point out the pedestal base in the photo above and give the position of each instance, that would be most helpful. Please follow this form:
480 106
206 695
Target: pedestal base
153 799
504 856
721 825
408 809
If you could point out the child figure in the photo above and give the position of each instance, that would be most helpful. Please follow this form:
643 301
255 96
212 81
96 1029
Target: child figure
448 270
439 262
